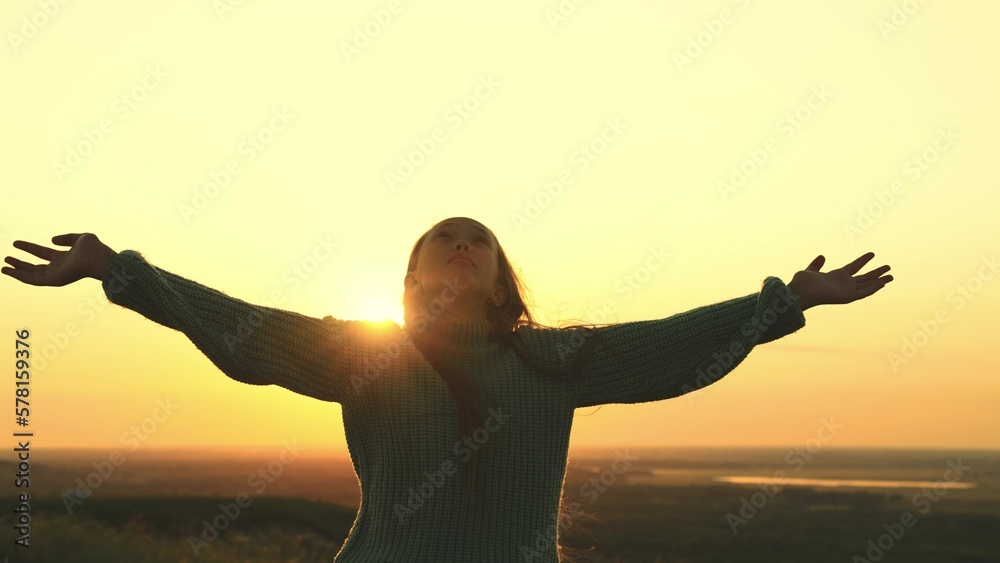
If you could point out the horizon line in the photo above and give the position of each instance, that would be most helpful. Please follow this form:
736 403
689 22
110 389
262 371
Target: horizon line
261 448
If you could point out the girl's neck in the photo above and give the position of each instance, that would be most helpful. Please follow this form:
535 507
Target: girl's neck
451 332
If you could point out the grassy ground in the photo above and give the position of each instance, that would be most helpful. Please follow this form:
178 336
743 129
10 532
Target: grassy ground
689 524
152 530
633 524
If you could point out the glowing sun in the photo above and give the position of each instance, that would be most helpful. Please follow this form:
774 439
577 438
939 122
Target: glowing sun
380 308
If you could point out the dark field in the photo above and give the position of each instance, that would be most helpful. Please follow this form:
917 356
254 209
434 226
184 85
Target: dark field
663 507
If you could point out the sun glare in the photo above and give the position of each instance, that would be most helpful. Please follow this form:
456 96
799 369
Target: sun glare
380 309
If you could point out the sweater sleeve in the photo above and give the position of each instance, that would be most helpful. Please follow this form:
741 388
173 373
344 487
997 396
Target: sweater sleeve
250 343
642 361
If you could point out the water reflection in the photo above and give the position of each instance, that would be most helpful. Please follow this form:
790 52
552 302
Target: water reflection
801 482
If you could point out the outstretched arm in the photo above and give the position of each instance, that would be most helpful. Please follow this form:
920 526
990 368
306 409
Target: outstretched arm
642 361
249 343
636 362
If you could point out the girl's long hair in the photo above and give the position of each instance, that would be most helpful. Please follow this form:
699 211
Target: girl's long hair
504 320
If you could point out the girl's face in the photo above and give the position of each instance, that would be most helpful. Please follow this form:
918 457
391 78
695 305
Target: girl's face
462 285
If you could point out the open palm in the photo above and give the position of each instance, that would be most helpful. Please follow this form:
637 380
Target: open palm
841 285
64 266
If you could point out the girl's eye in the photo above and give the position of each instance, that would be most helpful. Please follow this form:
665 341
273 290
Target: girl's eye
443 233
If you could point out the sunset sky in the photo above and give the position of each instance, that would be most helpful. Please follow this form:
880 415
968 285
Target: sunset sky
588 141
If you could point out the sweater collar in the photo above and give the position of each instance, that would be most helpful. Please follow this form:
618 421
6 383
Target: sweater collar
461 334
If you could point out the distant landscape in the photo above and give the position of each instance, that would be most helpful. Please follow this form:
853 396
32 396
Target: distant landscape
670 505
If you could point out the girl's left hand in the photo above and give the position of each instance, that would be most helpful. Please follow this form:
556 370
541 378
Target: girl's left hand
839 286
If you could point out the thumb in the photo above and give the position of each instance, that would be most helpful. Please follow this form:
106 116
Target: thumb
816 264
66 240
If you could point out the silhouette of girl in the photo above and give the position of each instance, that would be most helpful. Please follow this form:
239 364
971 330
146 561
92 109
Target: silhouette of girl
458 422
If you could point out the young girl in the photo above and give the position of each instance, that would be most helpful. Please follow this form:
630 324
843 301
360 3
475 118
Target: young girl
457 423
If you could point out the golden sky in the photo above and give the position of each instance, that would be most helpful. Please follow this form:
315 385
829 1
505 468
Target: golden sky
742 138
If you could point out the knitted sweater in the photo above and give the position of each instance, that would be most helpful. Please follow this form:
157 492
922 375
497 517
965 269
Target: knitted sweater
407 459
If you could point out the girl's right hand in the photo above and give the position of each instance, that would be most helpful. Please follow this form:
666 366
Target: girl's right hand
87 257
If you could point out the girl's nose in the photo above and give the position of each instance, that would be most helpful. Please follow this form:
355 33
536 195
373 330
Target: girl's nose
462 243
